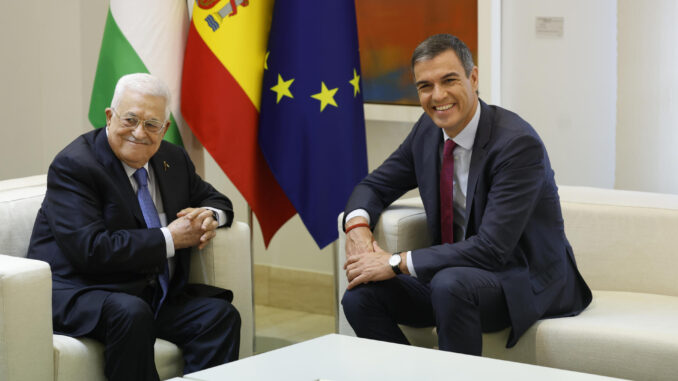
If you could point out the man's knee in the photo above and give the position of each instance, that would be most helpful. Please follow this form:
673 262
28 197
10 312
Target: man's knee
356 299
453 281
231 314
223 312
128 314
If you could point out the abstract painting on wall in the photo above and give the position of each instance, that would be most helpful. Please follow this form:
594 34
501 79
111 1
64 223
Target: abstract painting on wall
388 32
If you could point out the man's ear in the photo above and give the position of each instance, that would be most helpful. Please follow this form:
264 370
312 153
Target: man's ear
164 130
109 115
474 78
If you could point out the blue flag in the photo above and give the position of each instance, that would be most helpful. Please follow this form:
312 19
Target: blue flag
311 124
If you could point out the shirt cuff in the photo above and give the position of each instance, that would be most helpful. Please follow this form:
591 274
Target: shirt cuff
358 213
221 215
410 265
169 242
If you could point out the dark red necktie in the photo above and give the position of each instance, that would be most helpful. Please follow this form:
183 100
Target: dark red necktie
446 185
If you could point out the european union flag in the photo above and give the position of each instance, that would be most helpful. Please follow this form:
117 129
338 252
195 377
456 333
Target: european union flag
312 126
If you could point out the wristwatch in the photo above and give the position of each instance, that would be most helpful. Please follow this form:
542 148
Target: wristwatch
394 261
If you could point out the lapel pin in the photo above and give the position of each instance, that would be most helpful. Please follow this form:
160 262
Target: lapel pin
165 165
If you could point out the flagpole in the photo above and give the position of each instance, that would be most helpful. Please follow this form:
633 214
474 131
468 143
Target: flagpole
250 222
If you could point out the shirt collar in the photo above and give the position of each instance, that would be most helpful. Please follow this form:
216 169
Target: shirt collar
130 171
467 136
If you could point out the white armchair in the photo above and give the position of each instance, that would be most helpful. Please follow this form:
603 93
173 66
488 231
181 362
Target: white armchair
28 348
625 244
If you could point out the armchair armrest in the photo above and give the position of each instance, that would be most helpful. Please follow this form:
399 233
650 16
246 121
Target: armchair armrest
226 262
402 226
26 351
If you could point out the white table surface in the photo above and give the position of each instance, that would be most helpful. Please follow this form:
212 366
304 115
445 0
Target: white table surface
345 358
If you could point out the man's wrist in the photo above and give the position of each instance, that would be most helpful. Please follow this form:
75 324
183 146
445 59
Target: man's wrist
356 222
403 263
358 214
356 226
218 215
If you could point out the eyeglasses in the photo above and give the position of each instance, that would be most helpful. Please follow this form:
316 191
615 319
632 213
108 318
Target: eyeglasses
152 126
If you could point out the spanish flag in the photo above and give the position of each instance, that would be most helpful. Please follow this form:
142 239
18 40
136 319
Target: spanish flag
221 92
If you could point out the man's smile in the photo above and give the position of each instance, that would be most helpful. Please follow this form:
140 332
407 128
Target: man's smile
133 140
444 107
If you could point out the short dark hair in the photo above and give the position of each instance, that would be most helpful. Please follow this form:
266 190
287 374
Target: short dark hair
439 43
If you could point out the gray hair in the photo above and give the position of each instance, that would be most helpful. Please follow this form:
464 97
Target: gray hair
144 84
439 43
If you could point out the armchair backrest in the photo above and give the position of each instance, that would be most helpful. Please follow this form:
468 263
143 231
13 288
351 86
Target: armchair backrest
20 200
623 240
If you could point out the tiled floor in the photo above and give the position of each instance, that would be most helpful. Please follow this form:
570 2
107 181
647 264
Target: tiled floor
275 327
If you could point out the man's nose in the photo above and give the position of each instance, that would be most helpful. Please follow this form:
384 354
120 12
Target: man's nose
438 92
139 132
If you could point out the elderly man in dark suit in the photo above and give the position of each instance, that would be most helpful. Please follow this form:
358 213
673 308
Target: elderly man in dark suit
122 210
498 256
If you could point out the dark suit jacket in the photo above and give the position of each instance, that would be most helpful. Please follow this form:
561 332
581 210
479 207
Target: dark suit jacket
514 222
91 230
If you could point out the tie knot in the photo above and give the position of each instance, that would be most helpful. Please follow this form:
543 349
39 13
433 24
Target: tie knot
141 177
449 147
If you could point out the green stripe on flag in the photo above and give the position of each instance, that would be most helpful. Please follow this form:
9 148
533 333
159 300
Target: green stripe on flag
117 58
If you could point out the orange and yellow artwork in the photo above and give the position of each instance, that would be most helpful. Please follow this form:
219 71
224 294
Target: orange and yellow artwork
388 32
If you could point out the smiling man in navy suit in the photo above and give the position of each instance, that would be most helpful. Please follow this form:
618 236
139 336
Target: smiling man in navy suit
498 256
121 212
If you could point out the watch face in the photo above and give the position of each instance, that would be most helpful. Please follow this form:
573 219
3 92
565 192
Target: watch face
394 260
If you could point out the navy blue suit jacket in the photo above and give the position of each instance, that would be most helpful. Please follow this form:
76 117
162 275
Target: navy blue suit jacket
514 221
91 230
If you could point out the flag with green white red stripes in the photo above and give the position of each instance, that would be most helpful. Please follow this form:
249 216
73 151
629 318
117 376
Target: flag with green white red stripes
141 37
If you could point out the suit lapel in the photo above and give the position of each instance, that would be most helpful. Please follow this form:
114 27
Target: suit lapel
479 154
107 158
165 175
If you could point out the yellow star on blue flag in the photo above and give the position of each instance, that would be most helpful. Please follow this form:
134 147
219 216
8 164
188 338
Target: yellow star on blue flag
355 82
282 88
325 96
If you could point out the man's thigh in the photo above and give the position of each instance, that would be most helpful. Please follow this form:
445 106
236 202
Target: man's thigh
125 318
184 317
405 299
455 288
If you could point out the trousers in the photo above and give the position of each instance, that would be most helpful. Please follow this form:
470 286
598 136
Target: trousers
206 329
462 302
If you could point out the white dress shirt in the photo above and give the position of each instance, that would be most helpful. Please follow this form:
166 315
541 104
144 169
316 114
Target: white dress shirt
462 163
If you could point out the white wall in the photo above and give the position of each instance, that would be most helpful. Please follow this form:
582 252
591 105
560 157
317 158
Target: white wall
566 88
647 114
49 57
